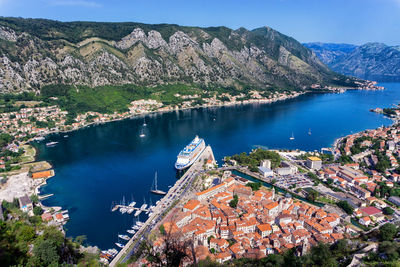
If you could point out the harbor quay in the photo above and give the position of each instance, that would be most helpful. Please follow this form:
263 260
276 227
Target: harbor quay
173 196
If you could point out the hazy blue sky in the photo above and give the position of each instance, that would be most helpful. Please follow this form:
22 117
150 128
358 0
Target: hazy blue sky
349 21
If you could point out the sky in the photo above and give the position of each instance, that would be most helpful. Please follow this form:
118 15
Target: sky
335 21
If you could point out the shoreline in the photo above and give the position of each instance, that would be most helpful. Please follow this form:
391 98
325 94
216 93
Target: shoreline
132 116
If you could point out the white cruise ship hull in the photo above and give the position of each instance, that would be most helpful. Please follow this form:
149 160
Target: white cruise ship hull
186 161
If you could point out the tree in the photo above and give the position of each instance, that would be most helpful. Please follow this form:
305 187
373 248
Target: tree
312 195
233 203
387 232
45 251
346 207
26 233
37 210
390 249
388 211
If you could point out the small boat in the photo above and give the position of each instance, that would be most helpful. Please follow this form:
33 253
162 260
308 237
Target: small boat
142 134
139 223
66 136
136 227
112 251
144 122
292 137
130 211
125 237
39 138
155 190
132 232
132 204
309 131
123 210
119 245
49 144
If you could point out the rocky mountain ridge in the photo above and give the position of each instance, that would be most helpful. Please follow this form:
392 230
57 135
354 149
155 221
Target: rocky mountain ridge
35 52
372 61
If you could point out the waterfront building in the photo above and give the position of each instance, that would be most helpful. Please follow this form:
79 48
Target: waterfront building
314 163
265 172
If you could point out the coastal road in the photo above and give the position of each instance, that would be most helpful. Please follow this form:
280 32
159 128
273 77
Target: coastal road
175 193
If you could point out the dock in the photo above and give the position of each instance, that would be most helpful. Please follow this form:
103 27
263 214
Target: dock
117 207
175 193
45 196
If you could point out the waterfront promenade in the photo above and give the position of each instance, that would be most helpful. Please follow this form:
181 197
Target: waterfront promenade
174 194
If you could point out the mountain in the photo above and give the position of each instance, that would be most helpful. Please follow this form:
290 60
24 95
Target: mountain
329 52
372 61
38 52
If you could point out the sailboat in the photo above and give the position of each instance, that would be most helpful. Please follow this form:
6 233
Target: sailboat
155 190
309 131
142 134
292 137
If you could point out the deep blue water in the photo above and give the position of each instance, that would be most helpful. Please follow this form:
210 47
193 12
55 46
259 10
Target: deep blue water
98 165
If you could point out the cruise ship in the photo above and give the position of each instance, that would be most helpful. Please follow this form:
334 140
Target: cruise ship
190 153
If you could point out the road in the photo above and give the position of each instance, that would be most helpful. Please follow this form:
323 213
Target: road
174 193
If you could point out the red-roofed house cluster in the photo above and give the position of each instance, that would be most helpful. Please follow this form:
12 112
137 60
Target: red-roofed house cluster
262 223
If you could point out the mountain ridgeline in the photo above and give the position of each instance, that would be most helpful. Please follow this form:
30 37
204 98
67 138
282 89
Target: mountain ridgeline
372 61
38 52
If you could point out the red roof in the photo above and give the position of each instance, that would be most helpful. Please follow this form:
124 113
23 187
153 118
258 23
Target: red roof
371 210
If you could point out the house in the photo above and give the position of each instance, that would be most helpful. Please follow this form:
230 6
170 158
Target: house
191 205
218 244
47 217
59 217
365 221
371 211
223 256
264 229
25 203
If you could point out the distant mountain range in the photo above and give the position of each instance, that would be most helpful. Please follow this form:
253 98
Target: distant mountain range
38 52
372 61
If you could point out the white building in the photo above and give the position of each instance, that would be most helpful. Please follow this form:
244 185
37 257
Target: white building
265 172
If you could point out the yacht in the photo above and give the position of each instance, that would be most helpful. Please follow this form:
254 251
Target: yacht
49 144
190 153
123 210
132 232
125 237
155 190
137 213
119 245
132 204
143 207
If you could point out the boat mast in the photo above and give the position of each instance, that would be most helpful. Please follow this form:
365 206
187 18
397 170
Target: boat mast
155 179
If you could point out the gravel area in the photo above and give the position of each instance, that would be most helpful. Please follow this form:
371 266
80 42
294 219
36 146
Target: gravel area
17 186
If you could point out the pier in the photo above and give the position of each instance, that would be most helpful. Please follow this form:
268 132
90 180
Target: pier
174 194
45 196
117 207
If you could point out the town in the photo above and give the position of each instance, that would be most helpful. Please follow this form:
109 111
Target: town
268 202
